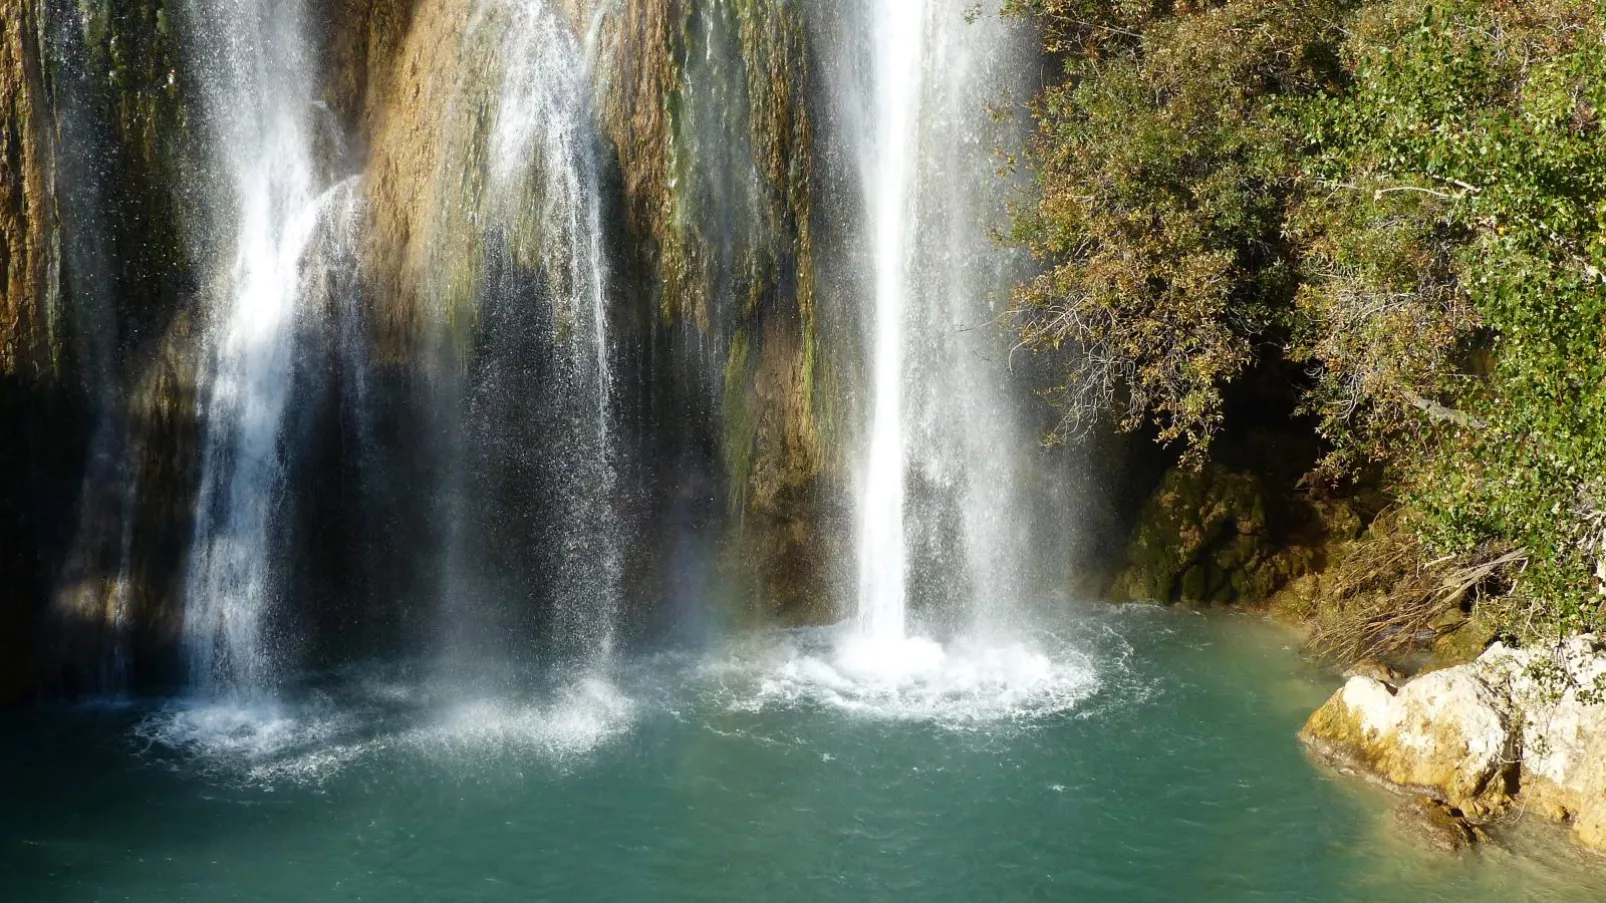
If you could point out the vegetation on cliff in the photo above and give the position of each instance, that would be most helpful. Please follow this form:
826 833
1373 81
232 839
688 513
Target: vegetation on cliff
1394 214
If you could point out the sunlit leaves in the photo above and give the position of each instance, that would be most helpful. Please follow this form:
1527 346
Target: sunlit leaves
1409 197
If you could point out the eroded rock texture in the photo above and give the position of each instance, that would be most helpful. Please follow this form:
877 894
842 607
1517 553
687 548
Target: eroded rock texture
701 117
706 145
1515 727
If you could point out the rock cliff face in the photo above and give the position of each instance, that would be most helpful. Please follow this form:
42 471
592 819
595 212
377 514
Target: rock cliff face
94 274
707 137
705 130
1219 535
1515 728
99 201
28 237
28 377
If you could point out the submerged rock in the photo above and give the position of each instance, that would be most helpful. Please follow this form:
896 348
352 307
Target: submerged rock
1516 725
1438 824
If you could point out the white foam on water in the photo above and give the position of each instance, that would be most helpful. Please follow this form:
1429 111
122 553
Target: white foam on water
307 745
314 767
221 733
586 715
264 745
969 683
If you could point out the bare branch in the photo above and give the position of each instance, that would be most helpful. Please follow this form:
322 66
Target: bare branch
1441 413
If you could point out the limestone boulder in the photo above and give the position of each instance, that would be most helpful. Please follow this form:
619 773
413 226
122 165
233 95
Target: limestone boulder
1516 724
1559 696
1445 734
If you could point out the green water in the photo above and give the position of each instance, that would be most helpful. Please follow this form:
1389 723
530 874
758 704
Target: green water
1145 755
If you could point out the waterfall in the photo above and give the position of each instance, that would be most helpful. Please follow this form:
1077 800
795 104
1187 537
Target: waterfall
545 121
546 133
534 557
946 519
592 235
897 28
94 586
989 513
257 93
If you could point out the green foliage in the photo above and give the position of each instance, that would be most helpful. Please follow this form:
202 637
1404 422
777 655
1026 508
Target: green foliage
1407 197
1166 166
1473 128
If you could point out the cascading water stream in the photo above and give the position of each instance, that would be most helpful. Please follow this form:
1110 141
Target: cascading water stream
942 506
545 147
883 558
545 117
533 554
988 512
257 96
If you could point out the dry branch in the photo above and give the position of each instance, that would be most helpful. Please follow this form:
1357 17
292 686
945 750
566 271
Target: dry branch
1385 599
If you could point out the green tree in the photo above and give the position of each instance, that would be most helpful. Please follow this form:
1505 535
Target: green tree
1406 200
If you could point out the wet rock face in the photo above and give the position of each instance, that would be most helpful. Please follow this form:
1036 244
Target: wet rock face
705 139
1523 726
35 469
27 252
112 286
1203 538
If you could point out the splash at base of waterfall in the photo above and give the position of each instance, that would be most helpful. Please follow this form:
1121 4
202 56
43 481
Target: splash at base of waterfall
364 717
311 741
969 682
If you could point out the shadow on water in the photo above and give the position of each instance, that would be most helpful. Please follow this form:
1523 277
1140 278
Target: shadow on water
85 804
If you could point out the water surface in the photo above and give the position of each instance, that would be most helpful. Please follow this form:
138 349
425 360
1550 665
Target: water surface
1131 754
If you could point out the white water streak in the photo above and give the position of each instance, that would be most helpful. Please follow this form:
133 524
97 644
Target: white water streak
883 553
258 93
545 116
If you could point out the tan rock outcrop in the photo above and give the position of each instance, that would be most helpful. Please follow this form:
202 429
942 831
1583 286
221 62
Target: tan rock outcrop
27 242
407 109
1443 733
1559 695
1516 725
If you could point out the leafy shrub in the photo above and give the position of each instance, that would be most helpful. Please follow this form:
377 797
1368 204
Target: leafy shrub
1406 198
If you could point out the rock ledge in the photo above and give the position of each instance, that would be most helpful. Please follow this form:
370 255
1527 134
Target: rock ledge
1516 726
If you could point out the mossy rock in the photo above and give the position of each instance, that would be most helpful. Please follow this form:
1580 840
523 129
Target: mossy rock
1463 636
1201 539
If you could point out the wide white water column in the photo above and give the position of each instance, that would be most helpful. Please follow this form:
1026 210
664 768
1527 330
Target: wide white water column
883 555
257 91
